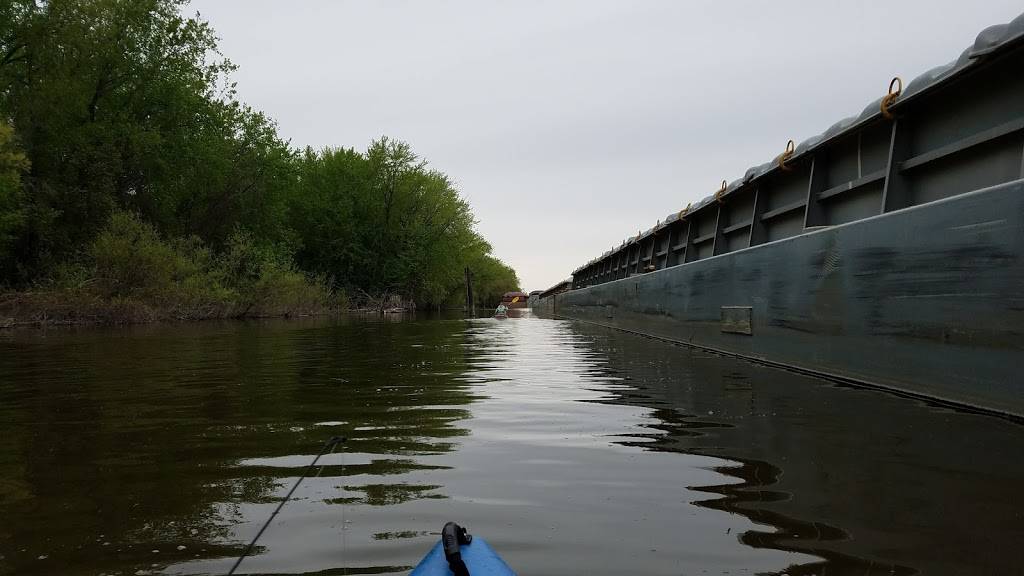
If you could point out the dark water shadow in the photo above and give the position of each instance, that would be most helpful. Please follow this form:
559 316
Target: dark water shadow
137 448
869 482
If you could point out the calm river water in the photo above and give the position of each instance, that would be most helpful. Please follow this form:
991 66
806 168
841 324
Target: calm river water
572 449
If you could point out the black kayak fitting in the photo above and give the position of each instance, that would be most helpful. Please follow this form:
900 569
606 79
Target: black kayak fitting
452 535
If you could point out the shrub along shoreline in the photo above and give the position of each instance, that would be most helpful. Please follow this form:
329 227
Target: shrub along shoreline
70 308
135 186
130 275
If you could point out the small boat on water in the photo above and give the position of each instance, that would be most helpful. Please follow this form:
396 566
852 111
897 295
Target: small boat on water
511 300
460 554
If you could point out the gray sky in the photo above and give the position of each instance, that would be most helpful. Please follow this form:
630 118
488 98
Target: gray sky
571 125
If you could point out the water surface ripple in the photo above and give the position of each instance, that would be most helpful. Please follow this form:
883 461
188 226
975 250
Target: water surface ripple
572 449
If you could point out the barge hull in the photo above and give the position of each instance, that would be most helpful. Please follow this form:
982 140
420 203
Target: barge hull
927 300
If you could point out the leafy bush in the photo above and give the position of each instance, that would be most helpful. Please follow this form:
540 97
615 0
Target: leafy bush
134 270
12 205
265 280
132 260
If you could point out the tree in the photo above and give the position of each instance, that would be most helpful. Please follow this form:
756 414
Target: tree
126 104
13 164
127 120
383 222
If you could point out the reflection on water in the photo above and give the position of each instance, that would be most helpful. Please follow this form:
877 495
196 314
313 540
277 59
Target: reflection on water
572 449
869 482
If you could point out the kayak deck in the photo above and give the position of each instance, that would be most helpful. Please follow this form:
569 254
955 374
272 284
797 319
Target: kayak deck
479 557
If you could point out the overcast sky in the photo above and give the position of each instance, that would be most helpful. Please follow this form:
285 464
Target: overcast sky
571 125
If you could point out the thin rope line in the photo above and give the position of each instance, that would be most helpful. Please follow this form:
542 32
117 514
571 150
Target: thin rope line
320 471
330 444
344 530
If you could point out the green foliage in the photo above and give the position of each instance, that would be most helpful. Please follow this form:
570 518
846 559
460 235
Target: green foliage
382 222
491 279
13 164
137 174
265 280
131 261
126 104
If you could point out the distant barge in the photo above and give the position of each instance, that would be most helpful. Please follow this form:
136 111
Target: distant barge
887 251
515 299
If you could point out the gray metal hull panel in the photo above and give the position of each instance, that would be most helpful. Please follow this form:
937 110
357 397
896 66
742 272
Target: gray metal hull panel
928 300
